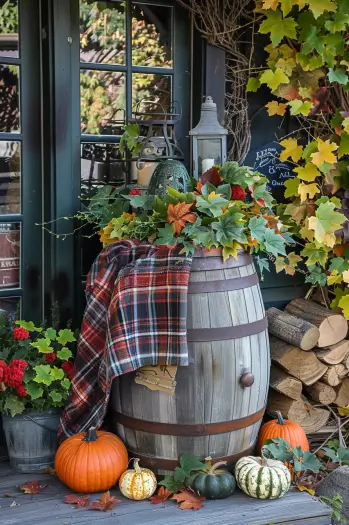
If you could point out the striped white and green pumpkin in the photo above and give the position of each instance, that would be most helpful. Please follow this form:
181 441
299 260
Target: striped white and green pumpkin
262 478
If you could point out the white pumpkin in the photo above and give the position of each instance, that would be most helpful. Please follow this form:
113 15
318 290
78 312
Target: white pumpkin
137 483
262 478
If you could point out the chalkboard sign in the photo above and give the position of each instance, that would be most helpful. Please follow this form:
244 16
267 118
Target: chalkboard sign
266 160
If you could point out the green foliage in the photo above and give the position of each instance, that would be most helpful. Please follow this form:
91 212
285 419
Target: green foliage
336 503
278 448
188 464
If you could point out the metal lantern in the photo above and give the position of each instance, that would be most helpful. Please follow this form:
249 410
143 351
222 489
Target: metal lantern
209 140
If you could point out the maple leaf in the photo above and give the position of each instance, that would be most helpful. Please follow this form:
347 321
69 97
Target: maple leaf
252 85
344 305
291 150
325 223
179 214
291 186
273 79
278 27
188 499
345 124
32 487
299 107
231 251
334 278
78 501
288 263
308 173
302 488
296 210
105 502
274 108
308 190
315 255
324 153
338 75
344 145
162 495
270 4
318 7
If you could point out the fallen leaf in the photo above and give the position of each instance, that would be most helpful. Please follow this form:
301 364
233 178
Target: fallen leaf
324 153
188 499
32 487
49 470
302 488
78 501
105 502
7 495
162 495
179 214
274 108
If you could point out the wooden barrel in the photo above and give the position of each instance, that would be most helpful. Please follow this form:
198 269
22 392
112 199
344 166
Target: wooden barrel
220 397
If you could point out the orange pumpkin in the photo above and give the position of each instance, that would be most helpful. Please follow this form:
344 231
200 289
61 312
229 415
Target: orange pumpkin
91 461
290 431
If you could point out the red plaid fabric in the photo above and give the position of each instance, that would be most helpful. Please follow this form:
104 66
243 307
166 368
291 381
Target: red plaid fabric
135 316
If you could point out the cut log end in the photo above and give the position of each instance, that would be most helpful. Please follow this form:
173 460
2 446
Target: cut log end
292 329
334 354
285 384
322 393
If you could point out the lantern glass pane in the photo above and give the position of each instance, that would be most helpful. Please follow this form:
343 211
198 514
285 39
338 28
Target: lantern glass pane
209 153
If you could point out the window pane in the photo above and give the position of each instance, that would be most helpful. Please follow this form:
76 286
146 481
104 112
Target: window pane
9 98
10 177
103 102
9 29
102 32
151 35
100 164
10 245
151 93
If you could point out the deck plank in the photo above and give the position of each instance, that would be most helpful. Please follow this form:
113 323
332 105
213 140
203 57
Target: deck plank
48 508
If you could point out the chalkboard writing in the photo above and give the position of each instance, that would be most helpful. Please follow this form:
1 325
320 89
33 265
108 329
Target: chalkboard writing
266 160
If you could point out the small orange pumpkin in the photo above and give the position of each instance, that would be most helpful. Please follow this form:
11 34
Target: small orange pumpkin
290 431
91 461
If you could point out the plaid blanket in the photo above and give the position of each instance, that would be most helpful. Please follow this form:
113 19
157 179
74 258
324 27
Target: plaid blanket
135 316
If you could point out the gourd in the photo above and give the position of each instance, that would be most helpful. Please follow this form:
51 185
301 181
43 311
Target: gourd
290 431
262 478
137 483
91 461
211 482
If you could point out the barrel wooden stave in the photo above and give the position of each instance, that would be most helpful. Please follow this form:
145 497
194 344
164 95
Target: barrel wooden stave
209 389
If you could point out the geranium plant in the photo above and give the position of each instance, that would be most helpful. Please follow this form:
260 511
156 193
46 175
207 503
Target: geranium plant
35 366
229 207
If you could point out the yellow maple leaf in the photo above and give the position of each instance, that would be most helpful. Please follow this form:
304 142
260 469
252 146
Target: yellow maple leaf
318 7
291 186
270 4
291 150
285 50
306 233
231 251
334 278
273 79
308 173
344 305
274 108
288 263
308 190
344 411
305 92
345 124
302 488
324 153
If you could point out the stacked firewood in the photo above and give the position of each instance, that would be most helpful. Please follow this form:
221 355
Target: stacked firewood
310 363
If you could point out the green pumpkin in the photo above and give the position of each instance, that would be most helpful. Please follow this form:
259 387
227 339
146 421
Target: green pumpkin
211 482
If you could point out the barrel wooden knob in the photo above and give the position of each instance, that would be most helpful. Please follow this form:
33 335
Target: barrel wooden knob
247 379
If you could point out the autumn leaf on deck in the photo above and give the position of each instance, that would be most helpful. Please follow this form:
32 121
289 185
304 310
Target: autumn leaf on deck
291 150
274 108
32 487
50 471
78 501
162 495
302 488
188 499
179 214
324 153
105 502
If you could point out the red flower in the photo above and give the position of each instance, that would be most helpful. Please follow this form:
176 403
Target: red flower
3 367
51 357
135 192
21 391
68 368
20 333
14 372
237 193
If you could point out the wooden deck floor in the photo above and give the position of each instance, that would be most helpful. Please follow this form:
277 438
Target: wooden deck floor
48 508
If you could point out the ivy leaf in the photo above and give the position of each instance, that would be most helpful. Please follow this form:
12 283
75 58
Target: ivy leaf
299 107
279 27
273 242
253 84
228 230
318 7
43 345
344 145
274 108
65 336
34 390
308 190
166 236
308 173
291 186
338 75
43 374
324 153
257 226
291 150
56 396
314 255
64 354
14 405
273 79
325 223
344 305
316 276
211 207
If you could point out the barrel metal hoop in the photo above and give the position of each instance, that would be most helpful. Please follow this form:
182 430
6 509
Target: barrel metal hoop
170 464
217 263
225 333
226 285
175 429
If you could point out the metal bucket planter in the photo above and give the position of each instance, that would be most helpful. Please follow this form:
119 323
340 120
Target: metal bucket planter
31 440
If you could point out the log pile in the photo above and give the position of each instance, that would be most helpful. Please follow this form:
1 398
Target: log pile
310 363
